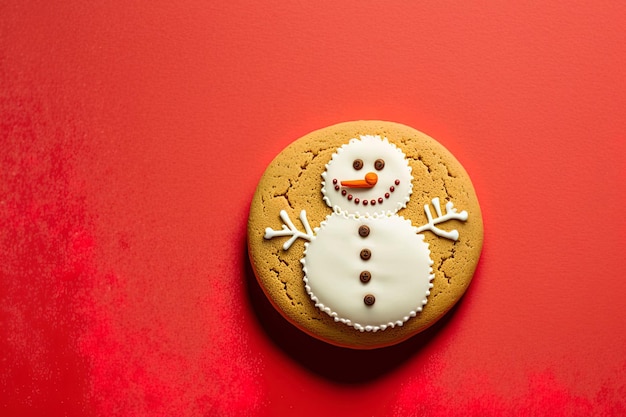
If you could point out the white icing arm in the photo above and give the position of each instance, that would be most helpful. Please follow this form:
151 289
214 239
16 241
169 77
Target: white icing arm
290 230
451 213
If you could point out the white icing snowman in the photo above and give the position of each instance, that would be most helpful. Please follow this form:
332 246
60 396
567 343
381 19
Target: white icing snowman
365 265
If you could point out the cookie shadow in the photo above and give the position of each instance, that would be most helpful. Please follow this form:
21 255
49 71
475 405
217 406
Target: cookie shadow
338 364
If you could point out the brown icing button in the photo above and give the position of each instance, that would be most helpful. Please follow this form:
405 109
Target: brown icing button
364 231
365 276
366 254
369 300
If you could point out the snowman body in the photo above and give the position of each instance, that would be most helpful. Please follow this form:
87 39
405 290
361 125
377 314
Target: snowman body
382 287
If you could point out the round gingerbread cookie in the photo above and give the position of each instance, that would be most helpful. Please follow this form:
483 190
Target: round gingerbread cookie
364 233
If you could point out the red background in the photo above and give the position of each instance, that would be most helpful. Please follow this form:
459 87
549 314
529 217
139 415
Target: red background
134 133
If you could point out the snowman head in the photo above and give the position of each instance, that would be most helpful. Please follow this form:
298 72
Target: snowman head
367 175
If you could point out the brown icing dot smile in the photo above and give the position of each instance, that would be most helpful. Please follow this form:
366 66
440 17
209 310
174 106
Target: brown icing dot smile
364 231
365 277
372 202
366 254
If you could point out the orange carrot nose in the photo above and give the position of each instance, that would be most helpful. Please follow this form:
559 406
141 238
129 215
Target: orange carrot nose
370 180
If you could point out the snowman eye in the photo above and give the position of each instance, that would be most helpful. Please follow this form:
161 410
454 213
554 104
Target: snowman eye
357 164
379 164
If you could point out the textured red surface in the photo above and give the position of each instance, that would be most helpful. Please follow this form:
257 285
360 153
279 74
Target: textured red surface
133 135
